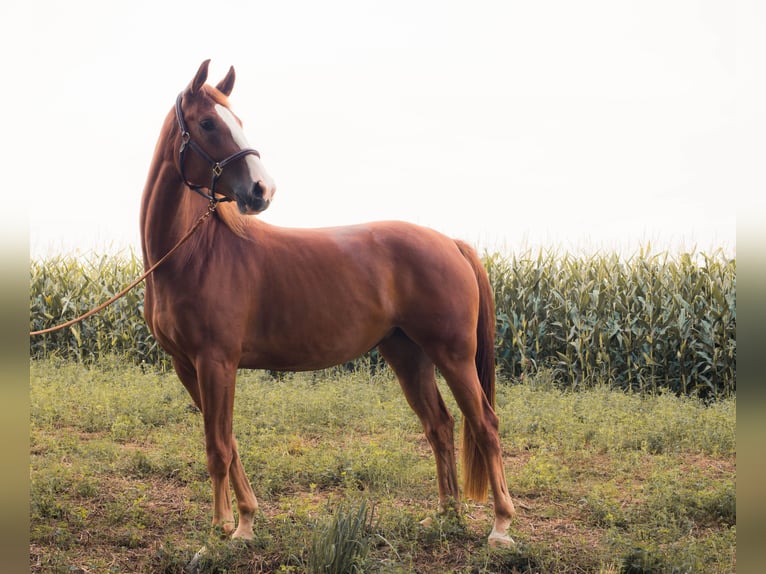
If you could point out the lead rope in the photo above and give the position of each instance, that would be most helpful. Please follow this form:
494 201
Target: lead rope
210 209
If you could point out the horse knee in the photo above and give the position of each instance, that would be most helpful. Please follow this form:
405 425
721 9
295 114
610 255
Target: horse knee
440 432
219 459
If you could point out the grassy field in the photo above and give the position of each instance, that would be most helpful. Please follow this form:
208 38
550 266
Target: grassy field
603 480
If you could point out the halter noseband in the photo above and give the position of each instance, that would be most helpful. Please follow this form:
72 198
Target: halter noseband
215 166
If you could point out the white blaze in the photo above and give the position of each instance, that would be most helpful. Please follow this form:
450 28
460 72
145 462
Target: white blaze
256 167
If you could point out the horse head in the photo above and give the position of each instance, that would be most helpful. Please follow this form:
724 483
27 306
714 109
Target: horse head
221 166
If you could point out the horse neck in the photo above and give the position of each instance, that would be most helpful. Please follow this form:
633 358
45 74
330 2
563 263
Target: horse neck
168 207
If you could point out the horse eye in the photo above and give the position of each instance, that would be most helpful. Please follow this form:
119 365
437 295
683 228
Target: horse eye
207 124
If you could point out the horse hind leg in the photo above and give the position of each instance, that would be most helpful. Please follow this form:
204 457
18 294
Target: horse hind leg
415 372
481 420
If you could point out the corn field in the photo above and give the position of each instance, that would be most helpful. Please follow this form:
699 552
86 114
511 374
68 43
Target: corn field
650 322
65 287
647 323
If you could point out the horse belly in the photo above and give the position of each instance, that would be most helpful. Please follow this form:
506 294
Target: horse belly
316 338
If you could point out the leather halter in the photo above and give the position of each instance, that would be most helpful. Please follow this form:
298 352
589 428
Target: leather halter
216 167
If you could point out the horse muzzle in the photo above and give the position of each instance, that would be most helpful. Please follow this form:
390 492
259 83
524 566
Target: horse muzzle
256 199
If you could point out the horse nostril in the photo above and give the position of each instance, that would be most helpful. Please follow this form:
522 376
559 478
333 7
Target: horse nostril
263 189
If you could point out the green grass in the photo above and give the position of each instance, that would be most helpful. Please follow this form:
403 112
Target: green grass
603 480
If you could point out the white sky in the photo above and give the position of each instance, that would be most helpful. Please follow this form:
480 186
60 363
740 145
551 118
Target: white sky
510 124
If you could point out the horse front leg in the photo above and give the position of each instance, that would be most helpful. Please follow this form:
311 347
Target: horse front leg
216 386
247 504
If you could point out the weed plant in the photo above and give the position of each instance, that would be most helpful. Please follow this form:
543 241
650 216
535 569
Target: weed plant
341 546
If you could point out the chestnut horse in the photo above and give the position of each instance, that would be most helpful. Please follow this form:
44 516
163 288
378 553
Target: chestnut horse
245 294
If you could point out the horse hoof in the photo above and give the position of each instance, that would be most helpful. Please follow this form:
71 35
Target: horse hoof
193 566
497 540
244 534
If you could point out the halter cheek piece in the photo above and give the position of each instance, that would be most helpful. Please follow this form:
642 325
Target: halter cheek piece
215 166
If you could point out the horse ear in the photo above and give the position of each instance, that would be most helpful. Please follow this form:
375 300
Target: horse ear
227 84
199 79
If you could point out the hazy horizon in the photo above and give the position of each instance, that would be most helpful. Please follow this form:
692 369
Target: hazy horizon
588 125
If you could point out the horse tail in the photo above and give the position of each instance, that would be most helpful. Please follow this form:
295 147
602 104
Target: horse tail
475 468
